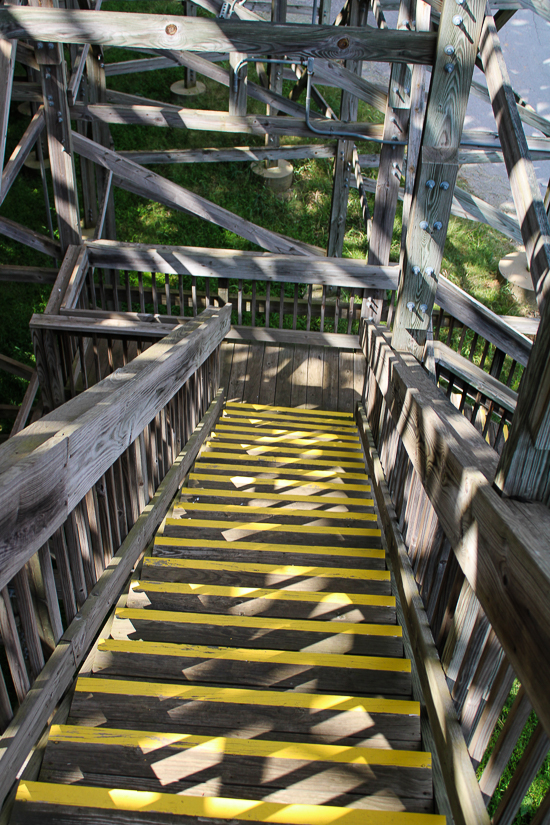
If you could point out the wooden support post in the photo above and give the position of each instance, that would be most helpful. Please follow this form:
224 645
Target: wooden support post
275 73
457 44
7 66
343 163
58 125
391 167
524 468
238 81
324 13
189 75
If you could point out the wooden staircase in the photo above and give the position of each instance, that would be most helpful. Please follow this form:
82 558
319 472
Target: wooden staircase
255 671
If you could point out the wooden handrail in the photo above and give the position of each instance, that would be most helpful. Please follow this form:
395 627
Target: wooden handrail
47 468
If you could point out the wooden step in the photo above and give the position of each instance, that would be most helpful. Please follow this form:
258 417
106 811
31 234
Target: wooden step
307 717
217 497
252 574
355 481
257 631
228 479
334 514
244 437
279 459
255 447
371 558
55 803
234 430
325 672
181 762
250 601
243 405
265 423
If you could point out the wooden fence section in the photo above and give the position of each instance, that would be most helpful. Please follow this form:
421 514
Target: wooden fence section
82 492
480 566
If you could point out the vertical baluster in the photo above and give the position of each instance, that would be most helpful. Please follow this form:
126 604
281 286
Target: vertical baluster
323 307
281 304
141 292
12 646
240 303
194 295
267 303
180 293
26 609
167 294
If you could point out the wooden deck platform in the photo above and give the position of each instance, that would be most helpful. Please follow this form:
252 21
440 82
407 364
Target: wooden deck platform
311 376
255 670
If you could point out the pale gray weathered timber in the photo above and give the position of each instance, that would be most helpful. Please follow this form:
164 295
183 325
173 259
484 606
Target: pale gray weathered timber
462 789
21 152
72 648
232 263
38 491
28 274
199 34
35 240
500 546
475 377
242 154
339 341
136 179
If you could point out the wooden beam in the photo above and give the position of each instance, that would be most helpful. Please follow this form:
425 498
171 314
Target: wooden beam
500 545
239 154
26 405
264 335
524 468
21 152
59 458
462 789
136 179
15 367
199 34
457 44
60 670
232 263
207 120
8 49
30 238
28 274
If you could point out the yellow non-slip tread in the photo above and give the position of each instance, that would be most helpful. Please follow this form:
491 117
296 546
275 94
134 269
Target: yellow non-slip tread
142 802
283 459
298 410
313 702
300 658
262 593
259 418
313 474
148 741
260 424
258 622
274 569
208 492
279 481
304 441
328 437
264 547
272 527
310 453
342 515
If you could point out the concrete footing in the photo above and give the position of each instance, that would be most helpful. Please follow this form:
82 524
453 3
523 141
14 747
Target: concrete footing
278 178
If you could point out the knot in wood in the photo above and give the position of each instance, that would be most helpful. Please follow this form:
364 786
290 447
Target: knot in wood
343 43
171 28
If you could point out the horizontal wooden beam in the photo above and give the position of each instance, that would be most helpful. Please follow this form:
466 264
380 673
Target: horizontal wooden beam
211 121
199 34
134 178
239 154
73 322
475 377
35 240
21 152
28 274
232 263
294 337
15 367
73 646
501 546
47 469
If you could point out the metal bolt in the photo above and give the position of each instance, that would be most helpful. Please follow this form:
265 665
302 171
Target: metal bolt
394 164
429 271
459 2
430 184
47 74
424 225
449 49
59 117
410 306
50 45
458 20
396 90
444 185
416 270
437 226
39 45
50 100
423 307
449 68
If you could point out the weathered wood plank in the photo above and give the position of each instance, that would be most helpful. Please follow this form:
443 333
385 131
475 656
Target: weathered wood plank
237 154
200 34
21 152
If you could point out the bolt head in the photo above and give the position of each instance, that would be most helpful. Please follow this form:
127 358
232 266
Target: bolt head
438 225
429 271
449 68
416 270
424 225
423 307
410 306
39 45
449 50
444 185
430 184
458 20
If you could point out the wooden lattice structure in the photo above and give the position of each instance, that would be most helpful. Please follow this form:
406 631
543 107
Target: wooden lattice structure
126 402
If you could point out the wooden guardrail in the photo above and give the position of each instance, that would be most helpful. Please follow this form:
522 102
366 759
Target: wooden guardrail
81 493
473 572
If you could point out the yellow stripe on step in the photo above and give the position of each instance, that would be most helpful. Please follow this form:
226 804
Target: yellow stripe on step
355 455
314 702
241 481
259 622
239 405
300 658
293 420
147 741
268 526
287 433
270 569
334 428
282 439
261 547
210 454
343 515
122 799
217 493
262 593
